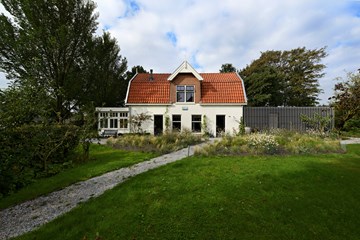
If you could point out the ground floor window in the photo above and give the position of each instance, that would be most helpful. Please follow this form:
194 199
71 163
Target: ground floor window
113 123
176 122
123 120
123 123
113 120
196 123
103 123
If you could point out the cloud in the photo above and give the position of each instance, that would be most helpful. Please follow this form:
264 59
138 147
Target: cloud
161 34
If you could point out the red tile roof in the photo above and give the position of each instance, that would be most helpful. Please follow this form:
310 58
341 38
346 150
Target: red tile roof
216 88
142 90
222 88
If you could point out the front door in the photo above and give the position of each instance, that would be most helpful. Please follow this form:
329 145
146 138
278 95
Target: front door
220 125
158 124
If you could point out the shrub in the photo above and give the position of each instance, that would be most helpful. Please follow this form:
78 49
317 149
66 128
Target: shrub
168 142
263 143
33 151
273 142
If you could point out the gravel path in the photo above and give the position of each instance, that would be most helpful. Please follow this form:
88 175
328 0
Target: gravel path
30 215
351 141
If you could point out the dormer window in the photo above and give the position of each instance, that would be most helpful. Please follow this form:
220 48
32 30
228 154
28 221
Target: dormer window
185 93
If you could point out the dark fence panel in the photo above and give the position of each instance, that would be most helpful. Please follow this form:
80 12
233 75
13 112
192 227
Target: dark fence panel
263 118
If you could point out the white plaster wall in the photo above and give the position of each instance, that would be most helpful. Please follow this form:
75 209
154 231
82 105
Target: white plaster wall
232 115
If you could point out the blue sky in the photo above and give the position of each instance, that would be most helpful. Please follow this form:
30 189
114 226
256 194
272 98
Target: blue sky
161 34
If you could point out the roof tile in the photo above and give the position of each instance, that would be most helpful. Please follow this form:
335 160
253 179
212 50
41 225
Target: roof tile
216 88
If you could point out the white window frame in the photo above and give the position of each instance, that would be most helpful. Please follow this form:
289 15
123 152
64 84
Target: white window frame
187 89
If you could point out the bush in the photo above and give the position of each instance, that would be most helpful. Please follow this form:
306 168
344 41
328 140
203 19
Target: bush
33 151
275 142
168 142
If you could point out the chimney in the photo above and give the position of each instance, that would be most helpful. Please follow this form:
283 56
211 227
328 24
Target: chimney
151 78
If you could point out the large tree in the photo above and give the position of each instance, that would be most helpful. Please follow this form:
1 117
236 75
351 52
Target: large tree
347 99
52 45
285 78
106 81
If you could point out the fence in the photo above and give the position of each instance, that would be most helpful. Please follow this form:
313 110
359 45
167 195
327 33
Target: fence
262 118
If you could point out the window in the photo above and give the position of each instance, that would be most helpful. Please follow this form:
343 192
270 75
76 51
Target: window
176 122
185 93
123 119
103 123
196 123
113 120
113 123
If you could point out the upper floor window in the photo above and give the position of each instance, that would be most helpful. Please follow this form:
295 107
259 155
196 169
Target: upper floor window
185 93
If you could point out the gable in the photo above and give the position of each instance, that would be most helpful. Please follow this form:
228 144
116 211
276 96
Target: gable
185 67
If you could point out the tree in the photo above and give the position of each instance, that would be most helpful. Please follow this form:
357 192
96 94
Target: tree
134 70
285 78
227 68
263 80
106 79
45 44
347 99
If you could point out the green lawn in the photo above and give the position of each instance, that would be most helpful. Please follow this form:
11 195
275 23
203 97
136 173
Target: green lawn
262 197
102 159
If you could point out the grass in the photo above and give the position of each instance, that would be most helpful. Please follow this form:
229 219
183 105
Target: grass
233 197
102 159
165 143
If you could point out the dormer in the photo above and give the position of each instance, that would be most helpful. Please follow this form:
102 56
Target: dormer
185 67
185 85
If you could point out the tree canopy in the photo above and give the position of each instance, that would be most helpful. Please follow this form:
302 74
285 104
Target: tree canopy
52 45
284 78
227 68
347 100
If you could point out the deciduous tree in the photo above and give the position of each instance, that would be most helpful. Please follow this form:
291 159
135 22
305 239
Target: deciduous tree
347 99
285 78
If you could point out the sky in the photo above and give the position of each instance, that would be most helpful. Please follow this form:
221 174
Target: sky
161 34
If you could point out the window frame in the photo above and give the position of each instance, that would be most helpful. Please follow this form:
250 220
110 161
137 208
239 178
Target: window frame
185 91
178 121
196 124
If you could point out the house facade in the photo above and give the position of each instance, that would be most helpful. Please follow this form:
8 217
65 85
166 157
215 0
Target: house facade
185 99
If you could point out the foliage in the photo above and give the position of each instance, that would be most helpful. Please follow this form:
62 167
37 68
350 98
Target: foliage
136 122
205 127
33 151
134 70
246 197
263 143
106 82
165 143
51 46
227 68
317 122
279 142
241 126
284 78
347 99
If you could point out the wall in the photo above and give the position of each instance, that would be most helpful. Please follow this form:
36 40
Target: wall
185 79
186 110
262 118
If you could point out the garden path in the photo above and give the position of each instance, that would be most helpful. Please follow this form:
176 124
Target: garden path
27 216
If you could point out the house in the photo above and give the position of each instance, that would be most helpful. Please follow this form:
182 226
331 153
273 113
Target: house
184 99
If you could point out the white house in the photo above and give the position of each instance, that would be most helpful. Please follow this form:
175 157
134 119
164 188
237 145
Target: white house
184 99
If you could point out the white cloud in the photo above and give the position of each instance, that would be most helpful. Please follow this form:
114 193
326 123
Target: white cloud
212 32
